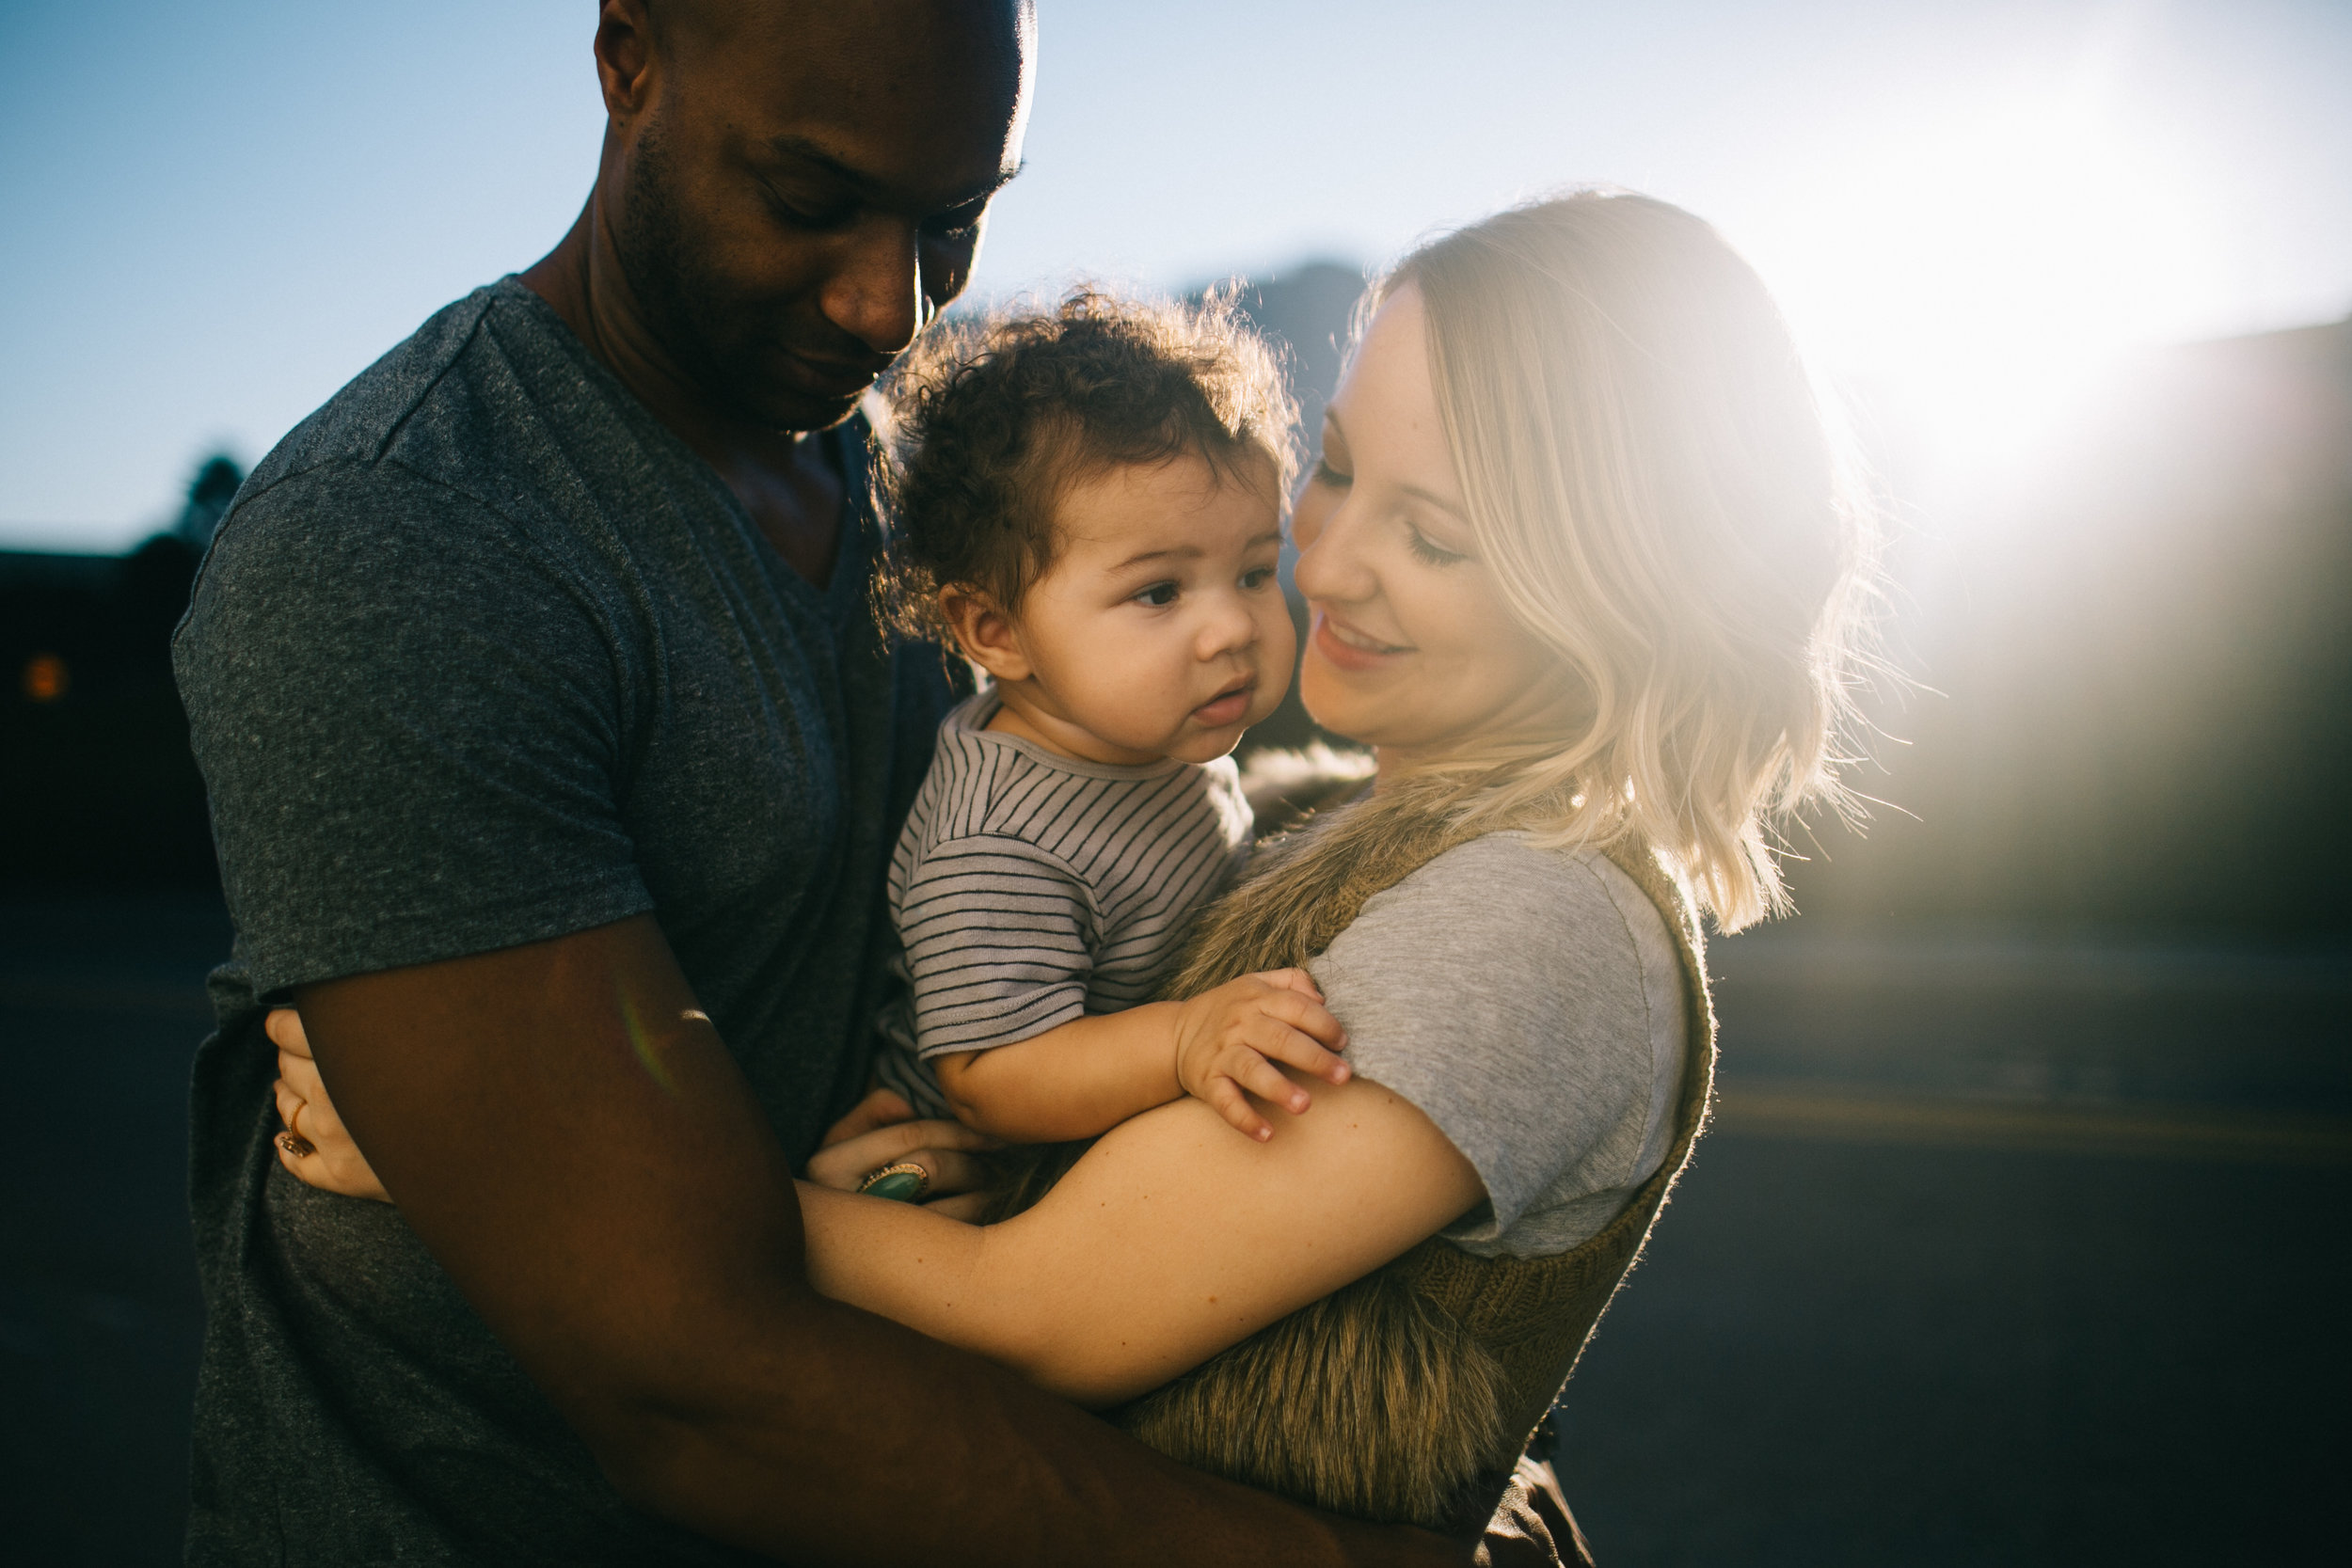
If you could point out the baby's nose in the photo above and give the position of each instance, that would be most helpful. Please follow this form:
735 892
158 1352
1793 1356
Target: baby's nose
1230 626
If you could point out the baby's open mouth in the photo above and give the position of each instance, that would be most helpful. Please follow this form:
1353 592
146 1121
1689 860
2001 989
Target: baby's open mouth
1227 706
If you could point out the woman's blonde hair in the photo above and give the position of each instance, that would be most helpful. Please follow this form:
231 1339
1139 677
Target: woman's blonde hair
1663 499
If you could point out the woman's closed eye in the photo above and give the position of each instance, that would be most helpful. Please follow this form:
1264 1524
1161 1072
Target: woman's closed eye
1430 550
1326 474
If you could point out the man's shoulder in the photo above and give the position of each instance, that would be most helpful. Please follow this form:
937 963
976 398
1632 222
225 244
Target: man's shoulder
360 421
467 401
434 455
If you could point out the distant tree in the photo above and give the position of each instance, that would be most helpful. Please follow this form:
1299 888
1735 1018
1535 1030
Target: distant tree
209 495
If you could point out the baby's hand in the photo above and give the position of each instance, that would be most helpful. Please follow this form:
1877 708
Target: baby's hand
1229 1040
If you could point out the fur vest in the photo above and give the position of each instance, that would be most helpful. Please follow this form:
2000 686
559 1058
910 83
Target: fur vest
1409 1395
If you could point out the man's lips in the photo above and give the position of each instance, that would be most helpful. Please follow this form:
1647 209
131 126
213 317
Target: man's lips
835 378
1348 648
1226 707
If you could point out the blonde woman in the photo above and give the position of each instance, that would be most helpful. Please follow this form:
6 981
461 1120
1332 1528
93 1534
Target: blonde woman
1582 576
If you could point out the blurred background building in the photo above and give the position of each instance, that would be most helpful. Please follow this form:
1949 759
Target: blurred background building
2020 1238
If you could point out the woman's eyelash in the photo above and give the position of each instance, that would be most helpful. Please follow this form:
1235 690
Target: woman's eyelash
1326 474
1437 555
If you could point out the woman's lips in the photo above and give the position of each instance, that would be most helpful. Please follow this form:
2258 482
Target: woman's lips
1350 649
1227 709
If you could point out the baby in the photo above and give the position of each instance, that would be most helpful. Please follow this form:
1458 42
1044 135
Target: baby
1087 504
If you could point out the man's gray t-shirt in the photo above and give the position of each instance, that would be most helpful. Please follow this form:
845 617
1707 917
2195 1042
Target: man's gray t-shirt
485 655
1529 1003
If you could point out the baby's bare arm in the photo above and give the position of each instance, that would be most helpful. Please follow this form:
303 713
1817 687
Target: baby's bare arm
1089 1075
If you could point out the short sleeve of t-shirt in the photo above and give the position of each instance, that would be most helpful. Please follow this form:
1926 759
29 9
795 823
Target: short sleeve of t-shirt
1000 942
410 719
1528 1002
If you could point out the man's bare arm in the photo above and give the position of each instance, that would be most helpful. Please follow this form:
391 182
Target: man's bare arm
576 1147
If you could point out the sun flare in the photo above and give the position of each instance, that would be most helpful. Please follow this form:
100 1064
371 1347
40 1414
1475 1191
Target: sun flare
1982 272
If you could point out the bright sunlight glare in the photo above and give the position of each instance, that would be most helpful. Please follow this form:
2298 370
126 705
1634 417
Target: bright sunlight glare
1984 272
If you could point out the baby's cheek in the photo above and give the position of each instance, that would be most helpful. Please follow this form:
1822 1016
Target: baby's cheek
1278 650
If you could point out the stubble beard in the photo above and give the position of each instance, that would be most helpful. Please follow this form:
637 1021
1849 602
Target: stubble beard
712 338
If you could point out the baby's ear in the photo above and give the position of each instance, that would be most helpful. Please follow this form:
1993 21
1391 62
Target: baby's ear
986 634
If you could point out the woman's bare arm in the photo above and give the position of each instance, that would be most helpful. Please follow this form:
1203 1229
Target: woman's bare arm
1169 1241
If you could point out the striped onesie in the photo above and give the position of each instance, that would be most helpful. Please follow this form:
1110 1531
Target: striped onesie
1030 889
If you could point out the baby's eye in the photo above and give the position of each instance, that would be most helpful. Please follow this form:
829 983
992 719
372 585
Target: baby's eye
1159 595
1257 577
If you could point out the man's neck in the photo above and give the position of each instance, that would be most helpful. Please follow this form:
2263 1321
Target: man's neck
784 478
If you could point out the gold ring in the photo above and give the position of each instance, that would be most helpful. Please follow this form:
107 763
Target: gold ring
904 1182
293 1141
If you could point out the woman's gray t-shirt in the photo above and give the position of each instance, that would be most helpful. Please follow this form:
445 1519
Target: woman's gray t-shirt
1529 1003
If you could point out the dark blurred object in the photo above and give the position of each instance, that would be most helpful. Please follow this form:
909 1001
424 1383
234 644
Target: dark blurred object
209 495
2144 655
1308 314
97 788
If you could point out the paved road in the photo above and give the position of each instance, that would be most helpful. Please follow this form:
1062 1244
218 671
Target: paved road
2003 1253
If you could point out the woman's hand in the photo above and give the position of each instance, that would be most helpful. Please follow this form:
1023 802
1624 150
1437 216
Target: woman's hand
883 1130
315 1147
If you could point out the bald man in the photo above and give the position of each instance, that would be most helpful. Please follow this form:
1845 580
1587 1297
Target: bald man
543 716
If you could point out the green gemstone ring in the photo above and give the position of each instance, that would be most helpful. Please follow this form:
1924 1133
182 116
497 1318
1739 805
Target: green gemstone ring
903 1182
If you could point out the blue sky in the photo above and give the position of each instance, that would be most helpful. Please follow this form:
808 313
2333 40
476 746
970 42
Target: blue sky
217 215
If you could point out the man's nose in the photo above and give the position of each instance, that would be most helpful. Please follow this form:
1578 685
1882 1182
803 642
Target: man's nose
875 294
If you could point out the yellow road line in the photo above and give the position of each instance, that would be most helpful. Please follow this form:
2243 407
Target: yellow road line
2175 1133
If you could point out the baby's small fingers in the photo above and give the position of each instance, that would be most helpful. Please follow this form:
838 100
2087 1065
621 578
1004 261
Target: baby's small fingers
1304 1053
1230 1102
1307 1017
1294 979
1264 1080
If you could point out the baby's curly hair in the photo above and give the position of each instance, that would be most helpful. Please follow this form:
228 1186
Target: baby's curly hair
993 421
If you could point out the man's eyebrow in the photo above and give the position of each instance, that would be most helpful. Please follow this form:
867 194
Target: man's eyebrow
793 145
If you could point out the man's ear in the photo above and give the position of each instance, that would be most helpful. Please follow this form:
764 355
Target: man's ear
987 635
625 57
